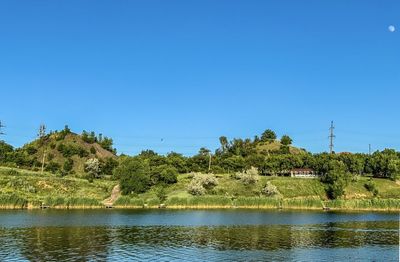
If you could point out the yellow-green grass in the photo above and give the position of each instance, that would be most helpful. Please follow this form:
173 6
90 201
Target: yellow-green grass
48 189
364 204
27 189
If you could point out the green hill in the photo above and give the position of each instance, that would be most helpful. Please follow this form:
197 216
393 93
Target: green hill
275 146
22 188
62 151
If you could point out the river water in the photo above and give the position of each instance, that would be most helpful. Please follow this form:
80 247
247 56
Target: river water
197 235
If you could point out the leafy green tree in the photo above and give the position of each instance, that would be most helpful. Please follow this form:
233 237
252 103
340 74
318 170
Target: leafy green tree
336 179
134 175
224 144
4 150
394 169
178 161
108 165
164 174
268 136
286 140
161 193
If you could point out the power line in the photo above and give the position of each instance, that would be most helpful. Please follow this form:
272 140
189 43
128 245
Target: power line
331 137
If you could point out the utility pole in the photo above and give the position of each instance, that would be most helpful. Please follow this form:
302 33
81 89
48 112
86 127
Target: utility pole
43 159
369 149
331 137
1 133
41 134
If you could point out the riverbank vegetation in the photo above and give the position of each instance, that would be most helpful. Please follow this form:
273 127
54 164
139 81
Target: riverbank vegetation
66 170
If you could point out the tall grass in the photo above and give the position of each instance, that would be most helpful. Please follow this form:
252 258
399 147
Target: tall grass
72 202
125 201
199 201
306 203
378 204
12 201
257 202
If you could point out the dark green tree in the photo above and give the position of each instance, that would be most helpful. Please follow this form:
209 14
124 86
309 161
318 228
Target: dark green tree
134 175
286 140
268 136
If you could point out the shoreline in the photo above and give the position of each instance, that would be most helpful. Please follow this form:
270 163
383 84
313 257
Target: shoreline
197 207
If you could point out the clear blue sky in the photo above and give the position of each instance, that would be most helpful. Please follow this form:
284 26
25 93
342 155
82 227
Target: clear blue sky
190 71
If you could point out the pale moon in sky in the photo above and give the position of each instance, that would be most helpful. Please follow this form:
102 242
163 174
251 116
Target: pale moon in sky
392 28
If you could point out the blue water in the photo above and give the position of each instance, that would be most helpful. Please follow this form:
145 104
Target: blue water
197 235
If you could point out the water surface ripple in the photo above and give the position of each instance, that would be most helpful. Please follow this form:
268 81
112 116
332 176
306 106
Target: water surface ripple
214 235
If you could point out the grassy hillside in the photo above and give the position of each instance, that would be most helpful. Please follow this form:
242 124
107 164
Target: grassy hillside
58 148
22 188
274 146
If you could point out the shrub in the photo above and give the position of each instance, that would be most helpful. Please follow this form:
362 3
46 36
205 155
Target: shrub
31 150
269 190
248 177
202 182
196 188
92 167
371 187
68 165
53 167
108 166
161 194
92 150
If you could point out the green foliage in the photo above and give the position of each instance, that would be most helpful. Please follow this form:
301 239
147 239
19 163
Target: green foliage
68 165
134 176
248 177
336 179
93 168
92 150
161 193
4 149
126 201
269 190
268 136
53 167
164 174
63 133
108 165
286 140
104 142
371 187
201 183
12 200
69 150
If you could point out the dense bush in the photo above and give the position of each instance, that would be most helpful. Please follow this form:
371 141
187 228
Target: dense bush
134 176
164 174
53 167
108 165
248 177
201 183
269 190
371 187
92 167
68 165
70 150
